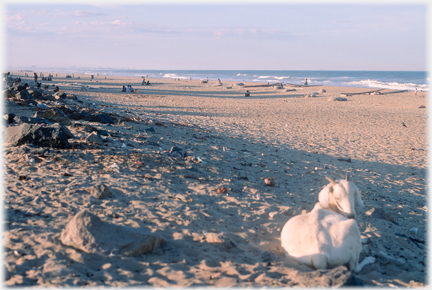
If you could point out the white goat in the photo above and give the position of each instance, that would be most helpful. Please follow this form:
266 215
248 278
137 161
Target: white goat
340 197
325 237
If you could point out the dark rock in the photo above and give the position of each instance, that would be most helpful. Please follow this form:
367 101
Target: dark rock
30 120
9 93
55 115
94 137
59 95
151 143
10 118
47 96
19 87
49 136
30 102
72 97
24 95
100 118
151 130
175 149
177 152
37 94
69 134
100 191
89 128
74 115
90 234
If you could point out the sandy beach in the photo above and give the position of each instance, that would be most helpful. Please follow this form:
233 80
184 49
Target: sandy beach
207 198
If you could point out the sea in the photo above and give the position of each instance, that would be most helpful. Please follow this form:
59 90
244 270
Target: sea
396 80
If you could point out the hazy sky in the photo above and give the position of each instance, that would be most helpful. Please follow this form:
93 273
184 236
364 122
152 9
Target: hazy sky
192 36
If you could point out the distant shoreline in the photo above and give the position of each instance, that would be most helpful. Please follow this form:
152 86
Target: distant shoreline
396 80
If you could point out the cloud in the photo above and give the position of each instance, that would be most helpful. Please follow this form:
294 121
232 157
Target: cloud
253 33
76 13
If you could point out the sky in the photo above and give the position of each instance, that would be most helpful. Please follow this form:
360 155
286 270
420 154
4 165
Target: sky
240 36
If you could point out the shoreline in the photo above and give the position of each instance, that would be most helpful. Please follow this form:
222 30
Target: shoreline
316 77
213 238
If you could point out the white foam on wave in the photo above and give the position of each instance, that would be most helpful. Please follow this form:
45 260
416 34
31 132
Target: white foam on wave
389 85
173 76
273 77
268 81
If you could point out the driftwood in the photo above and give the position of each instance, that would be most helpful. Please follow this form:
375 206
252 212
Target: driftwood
361 93
395 92
294 85
267 85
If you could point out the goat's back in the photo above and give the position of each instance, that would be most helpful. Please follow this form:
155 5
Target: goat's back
322 239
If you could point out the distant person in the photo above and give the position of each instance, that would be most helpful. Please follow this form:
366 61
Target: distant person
306 82
247 94
147 83
38 85
56 89
415 92
143 82
35 77
124 89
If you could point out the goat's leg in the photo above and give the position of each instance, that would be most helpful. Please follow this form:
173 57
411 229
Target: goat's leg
367 260
319 261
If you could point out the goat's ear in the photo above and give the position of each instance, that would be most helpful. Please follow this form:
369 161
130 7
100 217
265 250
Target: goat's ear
331 180
324 195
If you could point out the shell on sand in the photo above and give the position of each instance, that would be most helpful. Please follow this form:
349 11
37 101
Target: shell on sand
270 181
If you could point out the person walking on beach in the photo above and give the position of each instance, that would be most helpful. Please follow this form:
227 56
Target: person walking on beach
35 77
415 92
306 82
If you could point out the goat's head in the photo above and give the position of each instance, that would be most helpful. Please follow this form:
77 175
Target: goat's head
340 197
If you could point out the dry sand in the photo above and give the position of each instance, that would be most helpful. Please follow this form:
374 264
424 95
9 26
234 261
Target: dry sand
219 239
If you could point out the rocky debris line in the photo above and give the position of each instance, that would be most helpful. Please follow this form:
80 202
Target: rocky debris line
90 234
55 136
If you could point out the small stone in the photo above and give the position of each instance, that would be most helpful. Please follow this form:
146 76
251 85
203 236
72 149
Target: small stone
100 191
270 181
94 137
222 190
338 99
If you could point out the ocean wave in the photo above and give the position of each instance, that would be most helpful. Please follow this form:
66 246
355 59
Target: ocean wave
173 76
389 85
273 77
